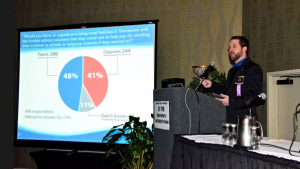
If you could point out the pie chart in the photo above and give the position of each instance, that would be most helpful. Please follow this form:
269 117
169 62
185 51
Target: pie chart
83 84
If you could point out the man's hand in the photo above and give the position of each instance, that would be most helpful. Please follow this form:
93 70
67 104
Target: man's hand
225 100
206 83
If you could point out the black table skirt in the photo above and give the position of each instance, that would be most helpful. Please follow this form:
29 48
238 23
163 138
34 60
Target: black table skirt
187 154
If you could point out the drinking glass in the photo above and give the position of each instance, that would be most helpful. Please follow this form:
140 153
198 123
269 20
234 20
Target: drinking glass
225 136
254 144
233 135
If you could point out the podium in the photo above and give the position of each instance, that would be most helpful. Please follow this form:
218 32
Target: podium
190 112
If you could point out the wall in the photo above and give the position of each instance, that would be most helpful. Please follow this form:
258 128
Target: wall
273 29
189 32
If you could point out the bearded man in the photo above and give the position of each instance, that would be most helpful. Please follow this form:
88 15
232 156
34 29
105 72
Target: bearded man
244 81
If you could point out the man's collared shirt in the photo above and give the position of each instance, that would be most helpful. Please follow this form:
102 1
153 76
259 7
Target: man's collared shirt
234 65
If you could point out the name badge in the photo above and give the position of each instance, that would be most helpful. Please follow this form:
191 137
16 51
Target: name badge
240 80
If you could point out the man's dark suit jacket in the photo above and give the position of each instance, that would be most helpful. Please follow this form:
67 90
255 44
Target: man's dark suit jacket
251 88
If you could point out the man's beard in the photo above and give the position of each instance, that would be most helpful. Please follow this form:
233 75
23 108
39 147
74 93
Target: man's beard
236 56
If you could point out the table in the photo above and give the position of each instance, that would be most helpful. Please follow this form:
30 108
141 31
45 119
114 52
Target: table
207 151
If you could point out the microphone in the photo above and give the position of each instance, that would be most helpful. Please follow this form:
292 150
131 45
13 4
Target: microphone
208 70
254 100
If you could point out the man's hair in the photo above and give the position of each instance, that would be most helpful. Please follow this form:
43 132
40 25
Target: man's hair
243 42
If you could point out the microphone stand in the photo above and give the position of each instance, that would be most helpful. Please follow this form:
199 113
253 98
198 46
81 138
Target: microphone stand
200 83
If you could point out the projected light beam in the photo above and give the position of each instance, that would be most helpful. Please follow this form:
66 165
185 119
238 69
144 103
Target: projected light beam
83 84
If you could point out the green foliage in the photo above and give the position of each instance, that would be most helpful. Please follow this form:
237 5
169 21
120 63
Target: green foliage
215 76
138 154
